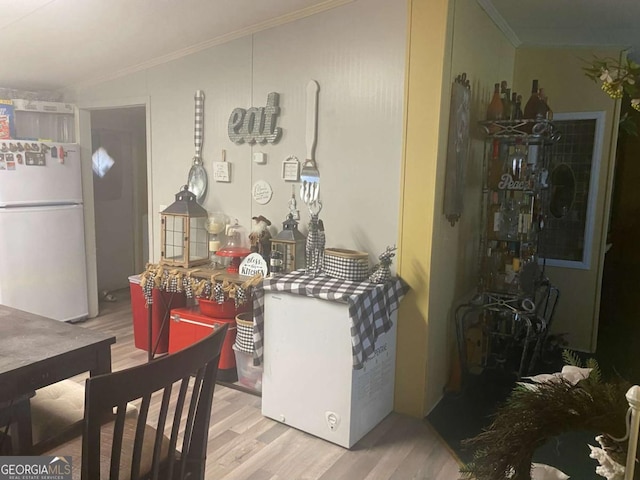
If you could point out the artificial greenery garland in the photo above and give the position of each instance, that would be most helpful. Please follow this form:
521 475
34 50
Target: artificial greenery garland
532 416
620 79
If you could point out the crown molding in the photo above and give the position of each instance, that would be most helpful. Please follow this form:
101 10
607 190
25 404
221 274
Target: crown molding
267 24
500 22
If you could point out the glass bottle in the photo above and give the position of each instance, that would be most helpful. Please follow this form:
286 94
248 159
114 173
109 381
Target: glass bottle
495 109
509 274
495 216
535 107
525 217
495 165
545 110
517 162
532 156
518 108
509 218
533 104
275 261
498 264
488 275
512 267
513 115
506 102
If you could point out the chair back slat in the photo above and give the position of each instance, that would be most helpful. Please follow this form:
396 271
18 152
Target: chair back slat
116 449
195 395
142 443
177 416
198 447
162 418
138 441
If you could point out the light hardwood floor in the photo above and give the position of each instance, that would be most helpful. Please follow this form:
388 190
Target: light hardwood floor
245 445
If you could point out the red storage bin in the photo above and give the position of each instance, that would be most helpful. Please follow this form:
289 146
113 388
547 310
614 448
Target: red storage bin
188 325
226 309
162 303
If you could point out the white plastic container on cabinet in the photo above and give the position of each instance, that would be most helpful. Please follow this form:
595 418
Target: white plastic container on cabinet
249 374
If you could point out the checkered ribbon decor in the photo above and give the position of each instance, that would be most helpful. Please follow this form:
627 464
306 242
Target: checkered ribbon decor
370 307
354 269
198 132
244 335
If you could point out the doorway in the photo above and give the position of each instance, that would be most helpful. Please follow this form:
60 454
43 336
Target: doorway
120 195
619 332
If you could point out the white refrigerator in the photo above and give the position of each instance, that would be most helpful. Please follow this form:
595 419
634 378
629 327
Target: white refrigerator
42 249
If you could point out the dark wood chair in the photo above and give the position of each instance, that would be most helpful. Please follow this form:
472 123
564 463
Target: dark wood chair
162 439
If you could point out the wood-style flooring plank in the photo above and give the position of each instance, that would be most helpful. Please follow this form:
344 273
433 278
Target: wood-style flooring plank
244 445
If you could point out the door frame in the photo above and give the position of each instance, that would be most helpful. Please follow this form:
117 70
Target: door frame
83 128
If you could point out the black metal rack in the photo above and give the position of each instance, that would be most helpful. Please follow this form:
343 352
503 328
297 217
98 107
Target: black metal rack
506 324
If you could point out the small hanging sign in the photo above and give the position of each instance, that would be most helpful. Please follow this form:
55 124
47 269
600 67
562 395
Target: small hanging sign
291 169
253 264
222 170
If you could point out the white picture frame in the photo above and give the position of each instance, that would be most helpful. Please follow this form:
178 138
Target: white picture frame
291 169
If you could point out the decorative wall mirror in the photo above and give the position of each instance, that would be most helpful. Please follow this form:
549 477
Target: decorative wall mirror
567 238
563 191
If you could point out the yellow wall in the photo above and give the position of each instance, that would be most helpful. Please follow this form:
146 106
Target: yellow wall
425 72
560 74
439 261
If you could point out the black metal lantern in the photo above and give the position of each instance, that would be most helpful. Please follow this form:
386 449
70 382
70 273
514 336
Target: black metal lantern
184 237
290 245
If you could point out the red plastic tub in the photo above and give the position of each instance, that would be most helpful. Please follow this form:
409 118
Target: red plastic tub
162 303
226 309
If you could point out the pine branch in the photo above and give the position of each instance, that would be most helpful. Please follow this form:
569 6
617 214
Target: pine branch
530 417
570 358
596 373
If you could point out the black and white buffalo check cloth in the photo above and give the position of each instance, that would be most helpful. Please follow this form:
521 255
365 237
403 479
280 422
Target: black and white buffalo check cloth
370 307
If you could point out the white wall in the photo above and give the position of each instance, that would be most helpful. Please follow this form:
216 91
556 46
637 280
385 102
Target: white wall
355 52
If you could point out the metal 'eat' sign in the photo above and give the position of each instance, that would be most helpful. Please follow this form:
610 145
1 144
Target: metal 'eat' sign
257 124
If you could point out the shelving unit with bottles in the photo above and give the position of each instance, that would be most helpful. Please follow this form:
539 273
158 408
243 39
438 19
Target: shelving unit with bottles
515 302
515 187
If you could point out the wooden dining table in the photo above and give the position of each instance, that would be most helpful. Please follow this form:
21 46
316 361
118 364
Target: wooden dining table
36 351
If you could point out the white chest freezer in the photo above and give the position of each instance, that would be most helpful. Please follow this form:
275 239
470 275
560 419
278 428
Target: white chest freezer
309 382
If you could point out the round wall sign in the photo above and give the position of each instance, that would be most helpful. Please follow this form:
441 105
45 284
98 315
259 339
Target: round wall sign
262 192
